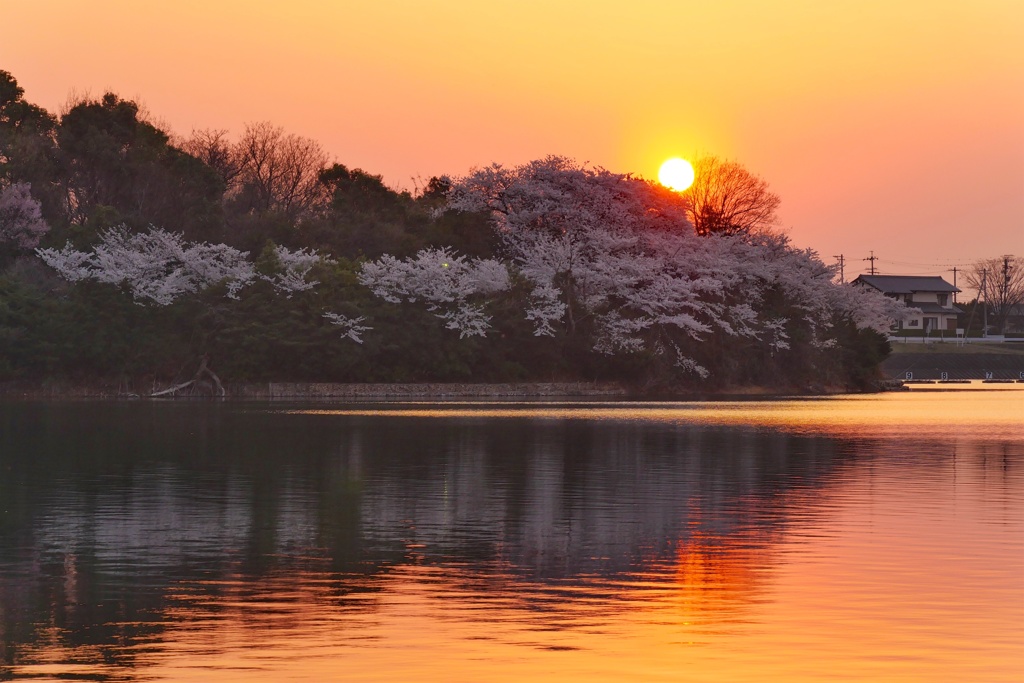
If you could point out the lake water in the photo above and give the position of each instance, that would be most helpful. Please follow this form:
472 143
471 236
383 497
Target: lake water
858 538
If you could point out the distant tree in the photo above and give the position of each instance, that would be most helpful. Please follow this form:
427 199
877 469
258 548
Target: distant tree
214 149
437 186
279 172
725 198
356 191
113 160
27 147
365 217
1000 284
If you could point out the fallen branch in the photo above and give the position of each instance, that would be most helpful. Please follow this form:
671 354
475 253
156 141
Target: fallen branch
203 370
172 390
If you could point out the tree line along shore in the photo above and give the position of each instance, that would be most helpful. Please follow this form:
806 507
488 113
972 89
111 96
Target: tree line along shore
133 257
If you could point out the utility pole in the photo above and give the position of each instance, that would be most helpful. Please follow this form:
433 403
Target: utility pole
842 263
1003 293
984 306
954 283
871 258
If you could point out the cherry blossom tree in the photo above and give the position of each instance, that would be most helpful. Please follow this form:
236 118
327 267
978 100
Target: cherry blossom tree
21 218
292 270
351 328
620 254
449 284
158 266
606 249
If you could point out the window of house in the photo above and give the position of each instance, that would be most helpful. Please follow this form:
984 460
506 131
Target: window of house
913 323
943 298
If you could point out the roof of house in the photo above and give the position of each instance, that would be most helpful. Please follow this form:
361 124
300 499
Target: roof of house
906 284
933 308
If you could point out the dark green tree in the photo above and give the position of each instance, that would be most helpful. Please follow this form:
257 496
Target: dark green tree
111 157
27 149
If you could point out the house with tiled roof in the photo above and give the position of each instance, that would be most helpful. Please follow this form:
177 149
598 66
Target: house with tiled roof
931 295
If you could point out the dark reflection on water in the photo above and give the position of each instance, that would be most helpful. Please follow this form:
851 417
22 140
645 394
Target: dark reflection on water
119 523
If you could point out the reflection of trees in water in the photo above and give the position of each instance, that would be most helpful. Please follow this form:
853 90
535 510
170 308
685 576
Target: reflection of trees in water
117 518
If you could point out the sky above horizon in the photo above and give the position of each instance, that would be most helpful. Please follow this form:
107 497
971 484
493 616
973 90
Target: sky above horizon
892 127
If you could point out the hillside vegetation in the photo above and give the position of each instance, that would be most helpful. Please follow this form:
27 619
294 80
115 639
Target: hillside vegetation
130 255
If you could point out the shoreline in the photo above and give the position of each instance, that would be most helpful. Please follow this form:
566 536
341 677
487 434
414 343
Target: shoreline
316 391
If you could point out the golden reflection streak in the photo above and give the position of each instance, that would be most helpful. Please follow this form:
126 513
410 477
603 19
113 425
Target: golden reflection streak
992 412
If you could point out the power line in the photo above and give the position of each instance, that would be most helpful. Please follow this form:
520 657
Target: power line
959 264
871 258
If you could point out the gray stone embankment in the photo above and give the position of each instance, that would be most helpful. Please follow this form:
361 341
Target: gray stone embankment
264 391
932 364
307 390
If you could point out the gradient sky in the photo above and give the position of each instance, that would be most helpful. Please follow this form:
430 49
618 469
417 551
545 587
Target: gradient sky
889 126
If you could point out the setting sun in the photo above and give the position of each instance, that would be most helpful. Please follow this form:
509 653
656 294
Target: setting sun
676 174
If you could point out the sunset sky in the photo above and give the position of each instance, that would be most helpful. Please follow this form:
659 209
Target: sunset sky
889 126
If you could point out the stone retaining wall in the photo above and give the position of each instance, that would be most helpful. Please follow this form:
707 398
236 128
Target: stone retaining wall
289 390
931 365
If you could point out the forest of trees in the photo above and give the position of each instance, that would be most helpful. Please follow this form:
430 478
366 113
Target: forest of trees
134 257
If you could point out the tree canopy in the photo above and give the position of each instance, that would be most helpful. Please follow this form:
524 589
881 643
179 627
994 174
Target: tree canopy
127 252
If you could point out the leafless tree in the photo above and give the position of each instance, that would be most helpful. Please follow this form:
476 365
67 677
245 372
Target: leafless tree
1000 283
280 172
213 148
726 198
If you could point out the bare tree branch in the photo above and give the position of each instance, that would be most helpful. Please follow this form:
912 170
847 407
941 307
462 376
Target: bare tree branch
1000 282
726 198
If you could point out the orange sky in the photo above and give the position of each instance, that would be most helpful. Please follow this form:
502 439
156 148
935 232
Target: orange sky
884 125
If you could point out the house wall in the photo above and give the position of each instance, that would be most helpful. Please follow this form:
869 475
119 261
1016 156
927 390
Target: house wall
925 297
947 322
943 321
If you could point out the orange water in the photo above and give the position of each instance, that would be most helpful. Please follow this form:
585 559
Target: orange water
859 538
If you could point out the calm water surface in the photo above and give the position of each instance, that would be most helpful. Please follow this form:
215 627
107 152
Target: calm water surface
850 538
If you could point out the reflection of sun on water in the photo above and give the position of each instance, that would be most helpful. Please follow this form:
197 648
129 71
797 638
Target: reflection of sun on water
978 412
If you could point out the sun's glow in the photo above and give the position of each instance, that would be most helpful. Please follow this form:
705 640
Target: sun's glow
676 174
